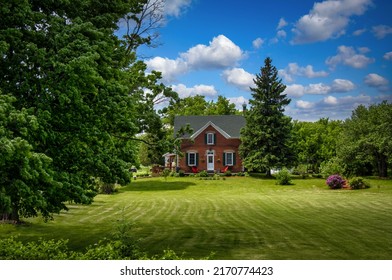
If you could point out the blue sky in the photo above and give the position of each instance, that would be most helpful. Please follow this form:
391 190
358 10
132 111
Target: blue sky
331 55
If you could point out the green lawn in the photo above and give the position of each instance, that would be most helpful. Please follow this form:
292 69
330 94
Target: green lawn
237 218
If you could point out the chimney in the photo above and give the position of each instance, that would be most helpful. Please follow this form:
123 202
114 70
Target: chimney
243 108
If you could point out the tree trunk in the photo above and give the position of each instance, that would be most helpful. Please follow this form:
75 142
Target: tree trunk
382 164
268 173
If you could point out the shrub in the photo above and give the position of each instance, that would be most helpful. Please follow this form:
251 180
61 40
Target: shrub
283 177
335 182
358 183
332 166
202 173
228 173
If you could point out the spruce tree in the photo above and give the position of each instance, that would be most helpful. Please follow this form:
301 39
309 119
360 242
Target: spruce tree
265 140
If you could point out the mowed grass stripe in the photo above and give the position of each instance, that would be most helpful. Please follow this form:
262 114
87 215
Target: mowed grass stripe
239 218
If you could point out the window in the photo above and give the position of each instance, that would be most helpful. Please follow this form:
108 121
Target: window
192 159
210 139
229 158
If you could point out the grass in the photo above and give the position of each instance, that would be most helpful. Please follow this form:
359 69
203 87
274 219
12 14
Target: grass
238 218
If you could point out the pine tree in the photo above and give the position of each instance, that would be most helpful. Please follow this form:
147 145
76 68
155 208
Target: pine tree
266 136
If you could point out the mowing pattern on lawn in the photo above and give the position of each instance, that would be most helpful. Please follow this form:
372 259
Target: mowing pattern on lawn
239 218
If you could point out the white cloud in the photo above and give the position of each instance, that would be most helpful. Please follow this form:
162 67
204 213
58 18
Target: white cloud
293 69
257 43
281 34
183 91
330 100
282 23
304 104
388 56
359 32
294 90
377 81
239 78
175 7
380 31
341 85
220 53
348 56
238 101
169 68
329 106
327 19
337 86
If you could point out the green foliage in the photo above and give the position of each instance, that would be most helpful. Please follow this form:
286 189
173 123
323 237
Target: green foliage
197 106
166 172
79 97
266 138
11 249
334 165
202 173
283 177
358 183
315 142
366 143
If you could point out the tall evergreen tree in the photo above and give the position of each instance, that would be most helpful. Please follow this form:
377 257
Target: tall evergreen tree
266 136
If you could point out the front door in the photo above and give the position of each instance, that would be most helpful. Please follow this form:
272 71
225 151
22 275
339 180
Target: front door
210 161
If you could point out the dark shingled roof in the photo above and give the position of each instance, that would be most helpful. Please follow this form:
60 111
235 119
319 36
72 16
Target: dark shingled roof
231 124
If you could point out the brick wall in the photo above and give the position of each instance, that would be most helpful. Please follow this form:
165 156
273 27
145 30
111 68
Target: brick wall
222 145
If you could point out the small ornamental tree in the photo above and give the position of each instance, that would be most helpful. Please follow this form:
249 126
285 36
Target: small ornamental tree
335 182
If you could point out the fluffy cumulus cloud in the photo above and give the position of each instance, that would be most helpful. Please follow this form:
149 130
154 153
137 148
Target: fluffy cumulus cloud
239 102
282 23
388 56
293 69
239 78
341 107
327 19
337 86
169 68
377 81
220 53
184 91
175 7
350 57
257 43
381 31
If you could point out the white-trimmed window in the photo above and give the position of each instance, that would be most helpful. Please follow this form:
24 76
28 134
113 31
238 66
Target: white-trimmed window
210 138
228 158
192 159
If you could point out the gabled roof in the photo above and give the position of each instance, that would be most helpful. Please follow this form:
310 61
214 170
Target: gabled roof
228 125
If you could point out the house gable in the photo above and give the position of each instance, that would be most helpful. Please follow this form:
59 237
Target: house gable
228 125
221 131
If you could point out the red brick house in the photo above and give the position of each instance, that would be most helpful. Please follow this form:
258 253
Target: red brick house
213 145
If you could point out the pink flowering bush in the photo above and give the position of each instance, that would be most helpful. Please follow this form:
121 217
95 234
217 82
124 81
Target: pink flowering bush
335 182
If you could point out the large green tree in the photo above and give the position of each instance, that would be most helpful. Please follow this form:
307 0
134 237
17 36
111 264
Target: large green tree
266 137
315 142
367 139
197 106
61 61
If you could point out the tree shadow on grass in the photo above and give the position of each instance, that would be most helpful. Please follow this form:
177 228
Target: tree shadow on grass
156 186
